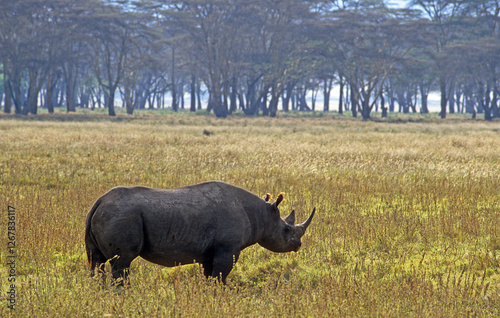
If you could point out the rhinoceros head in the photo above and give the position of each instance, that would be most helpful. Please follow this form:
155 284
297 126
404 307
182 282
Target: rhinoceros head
282 235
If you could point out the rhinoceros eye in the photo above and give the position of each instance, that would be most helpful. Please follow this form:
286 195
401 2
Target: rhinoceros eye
287 229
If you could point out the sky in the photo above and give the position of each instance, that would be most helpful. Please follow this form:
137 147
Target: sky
398 3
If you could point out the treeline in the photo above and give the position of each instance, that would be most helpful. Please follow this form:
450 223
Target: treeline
250 55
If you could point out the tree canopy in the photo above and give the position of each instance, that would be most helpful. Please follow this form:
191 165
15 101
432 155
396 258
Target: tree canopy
254 56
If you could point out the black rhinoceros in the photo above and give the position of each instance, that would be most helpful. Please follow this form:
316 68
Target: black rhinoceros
208 223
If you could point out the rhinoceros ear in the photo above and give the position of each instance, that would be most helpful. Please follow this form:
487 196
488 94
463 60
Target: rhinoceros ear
278 201
267 197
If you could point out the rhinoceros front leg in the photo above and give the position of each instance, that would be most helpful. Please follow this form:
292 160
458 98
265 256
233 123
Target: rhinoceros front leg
221 265
208 268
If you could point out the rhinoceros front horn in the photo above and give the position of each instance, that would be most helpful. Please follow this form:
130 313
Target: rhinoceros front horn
303 226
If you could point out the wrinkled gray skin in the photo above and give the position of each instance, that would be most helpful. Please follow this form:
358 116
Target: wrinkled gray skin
208 223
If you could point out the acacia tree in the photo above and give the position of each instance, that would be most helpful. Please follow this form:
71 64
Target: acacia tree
40 41
24 51
483 53
411 77
480 59
144 55
328 54
212 29
444 15
73 53
284 46
114 32
371 41
259 50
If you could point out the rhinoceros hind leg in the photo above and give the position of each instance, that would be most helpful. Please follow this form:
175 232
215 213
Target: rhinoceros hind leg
120 270
96 260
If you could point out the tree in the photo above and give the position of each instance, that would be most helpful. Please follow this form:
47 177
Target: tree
249 54
22 51
371 41
211 28
443 14
482 52
285 47
116 33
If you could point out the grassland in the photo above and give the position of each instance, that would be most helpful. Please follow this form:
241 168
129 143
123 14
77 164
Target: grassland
407 223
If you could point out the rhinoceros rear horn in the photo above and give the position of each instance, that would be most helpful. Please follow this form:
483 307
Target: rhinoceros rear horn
290 219
303 226
278 201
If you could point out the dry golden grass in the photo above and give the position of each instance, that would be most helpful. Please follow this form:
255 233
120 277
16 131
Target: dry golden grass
407 223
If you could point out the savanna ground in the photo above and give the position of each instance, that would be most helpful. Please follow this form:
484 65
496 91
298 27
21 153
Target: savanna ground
407 223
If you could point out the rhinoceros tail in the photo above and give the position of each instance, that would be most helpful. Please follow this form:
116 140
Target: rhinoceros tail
95 257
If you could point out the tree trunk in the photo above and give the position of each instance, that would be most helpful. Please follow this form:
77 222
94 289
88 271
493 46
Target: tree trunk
273 104
382 105
263 101
84 98
60 94
451 101
487 100
193 94
198 94
327 88
341 95
225 94
70 77
174 105
410 103
494 105
302 102
70 95
314 93
424 96
287 93
444 101
495 112
402 101
14 86
129 99
354 103
13 91
31 104
233 96
241 102
111 101
252 107
7 95
365 108
390 95
458 100
217 105
174 92
51 86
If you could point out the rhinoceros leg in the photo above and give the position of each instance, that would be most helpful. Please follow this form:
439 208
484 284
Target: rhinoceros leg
124 255
96 259
120 269
222 264
120 241
208 268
